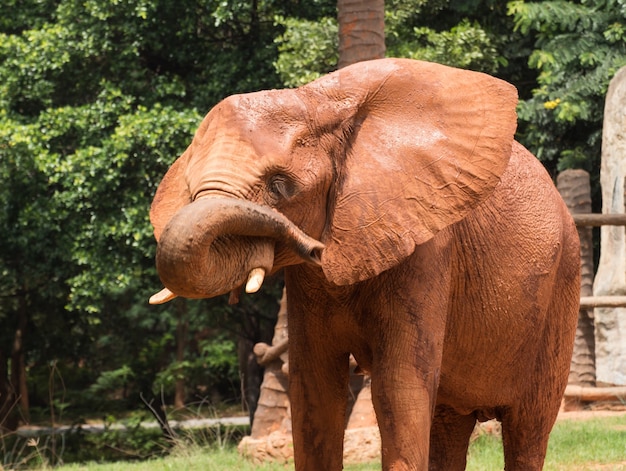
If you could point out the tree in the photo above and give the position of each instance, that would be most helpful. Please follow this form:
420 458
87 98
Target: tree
579 46
361 30
96 100
475 35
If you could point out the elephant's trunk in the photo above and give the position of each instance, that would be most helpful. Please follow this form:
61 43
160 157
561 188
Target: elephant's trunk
213 245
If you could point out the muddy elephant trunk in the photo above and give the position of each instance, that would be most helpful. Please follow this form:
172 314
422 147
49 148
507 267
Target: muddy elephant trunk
211 246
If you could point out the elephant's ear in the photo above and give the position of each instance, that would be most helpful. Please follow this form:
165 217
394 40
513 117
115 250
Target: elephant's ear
171 195
426 144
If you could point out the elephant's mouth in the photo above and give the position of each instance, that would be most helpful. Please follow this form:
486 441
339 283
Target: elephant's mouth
218 245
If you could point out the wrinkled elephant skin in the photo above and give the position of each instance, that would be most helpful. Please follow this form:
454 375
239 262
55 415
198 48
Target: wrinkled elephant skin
414 233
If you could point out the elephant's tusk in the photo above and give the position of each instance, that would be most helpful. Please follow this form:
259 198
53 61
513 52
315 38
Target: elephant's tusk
255 280
162 296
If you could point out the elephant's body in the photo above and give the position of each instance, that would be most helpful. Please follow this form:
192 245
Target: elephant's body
535 281
504 311
415 234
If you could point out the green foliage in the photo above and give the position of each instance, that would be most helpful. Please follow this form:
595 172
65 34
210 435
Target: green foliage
214 367
120 443
90 161
466 45
579 47
474 34
458 34
128 442
112 380
97 99
131 441
307 49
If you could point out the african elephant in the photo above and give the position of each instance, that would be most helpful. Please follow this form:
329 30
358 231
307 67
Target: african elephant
414 233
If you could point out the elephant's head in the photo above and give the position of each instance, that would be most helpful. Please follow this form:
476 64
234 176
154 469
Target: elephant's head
349 172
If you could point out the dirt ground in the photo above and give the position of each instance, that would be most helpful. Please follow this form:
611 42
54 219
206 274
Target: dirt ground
592 411
590 414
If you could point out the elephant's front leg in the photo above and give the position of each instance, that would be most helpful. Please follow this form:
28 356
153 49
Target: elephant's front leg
318 391
408 329
403 398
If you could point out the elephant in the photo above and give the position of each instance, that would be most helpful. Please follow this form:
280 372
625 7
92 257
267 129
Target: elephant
413 232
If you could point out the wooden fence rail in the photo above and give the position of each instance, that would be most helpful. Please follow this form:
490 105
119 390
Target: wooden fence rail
592 393
589 219
589 302
595 394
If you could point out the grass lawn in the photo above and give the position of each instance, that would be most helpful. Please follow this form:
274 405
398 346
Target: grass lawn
593 444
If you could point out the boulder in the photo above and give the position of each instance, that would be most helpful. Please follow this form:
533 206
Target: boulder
610 323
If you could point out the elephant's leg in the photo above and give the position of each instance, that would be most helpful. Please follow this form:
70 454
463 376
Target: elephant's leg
449 439
318 392
403 405
405 376
525 433
406 337
526 424
523 448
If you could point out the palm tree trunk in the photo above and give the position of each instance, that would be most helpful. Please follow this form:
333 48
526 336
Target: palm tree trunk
575 189
361 30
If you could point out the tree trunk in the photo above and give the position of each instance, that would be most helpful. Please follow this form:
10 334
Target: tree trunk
14 404
18 377
575 190
182 328
8 420
361 30
18 365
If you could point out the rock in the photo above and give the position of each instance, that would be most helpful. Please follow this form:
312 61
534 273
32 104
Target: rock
363 415
610 323
361 445
275 447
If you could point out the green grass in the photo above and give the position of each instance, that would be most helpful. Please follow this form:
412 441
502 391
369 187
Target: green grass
574 445
196 458
597 441
596 444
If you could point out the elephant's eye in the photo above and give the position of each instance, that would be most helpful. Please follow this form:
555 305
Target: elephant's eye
280 186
